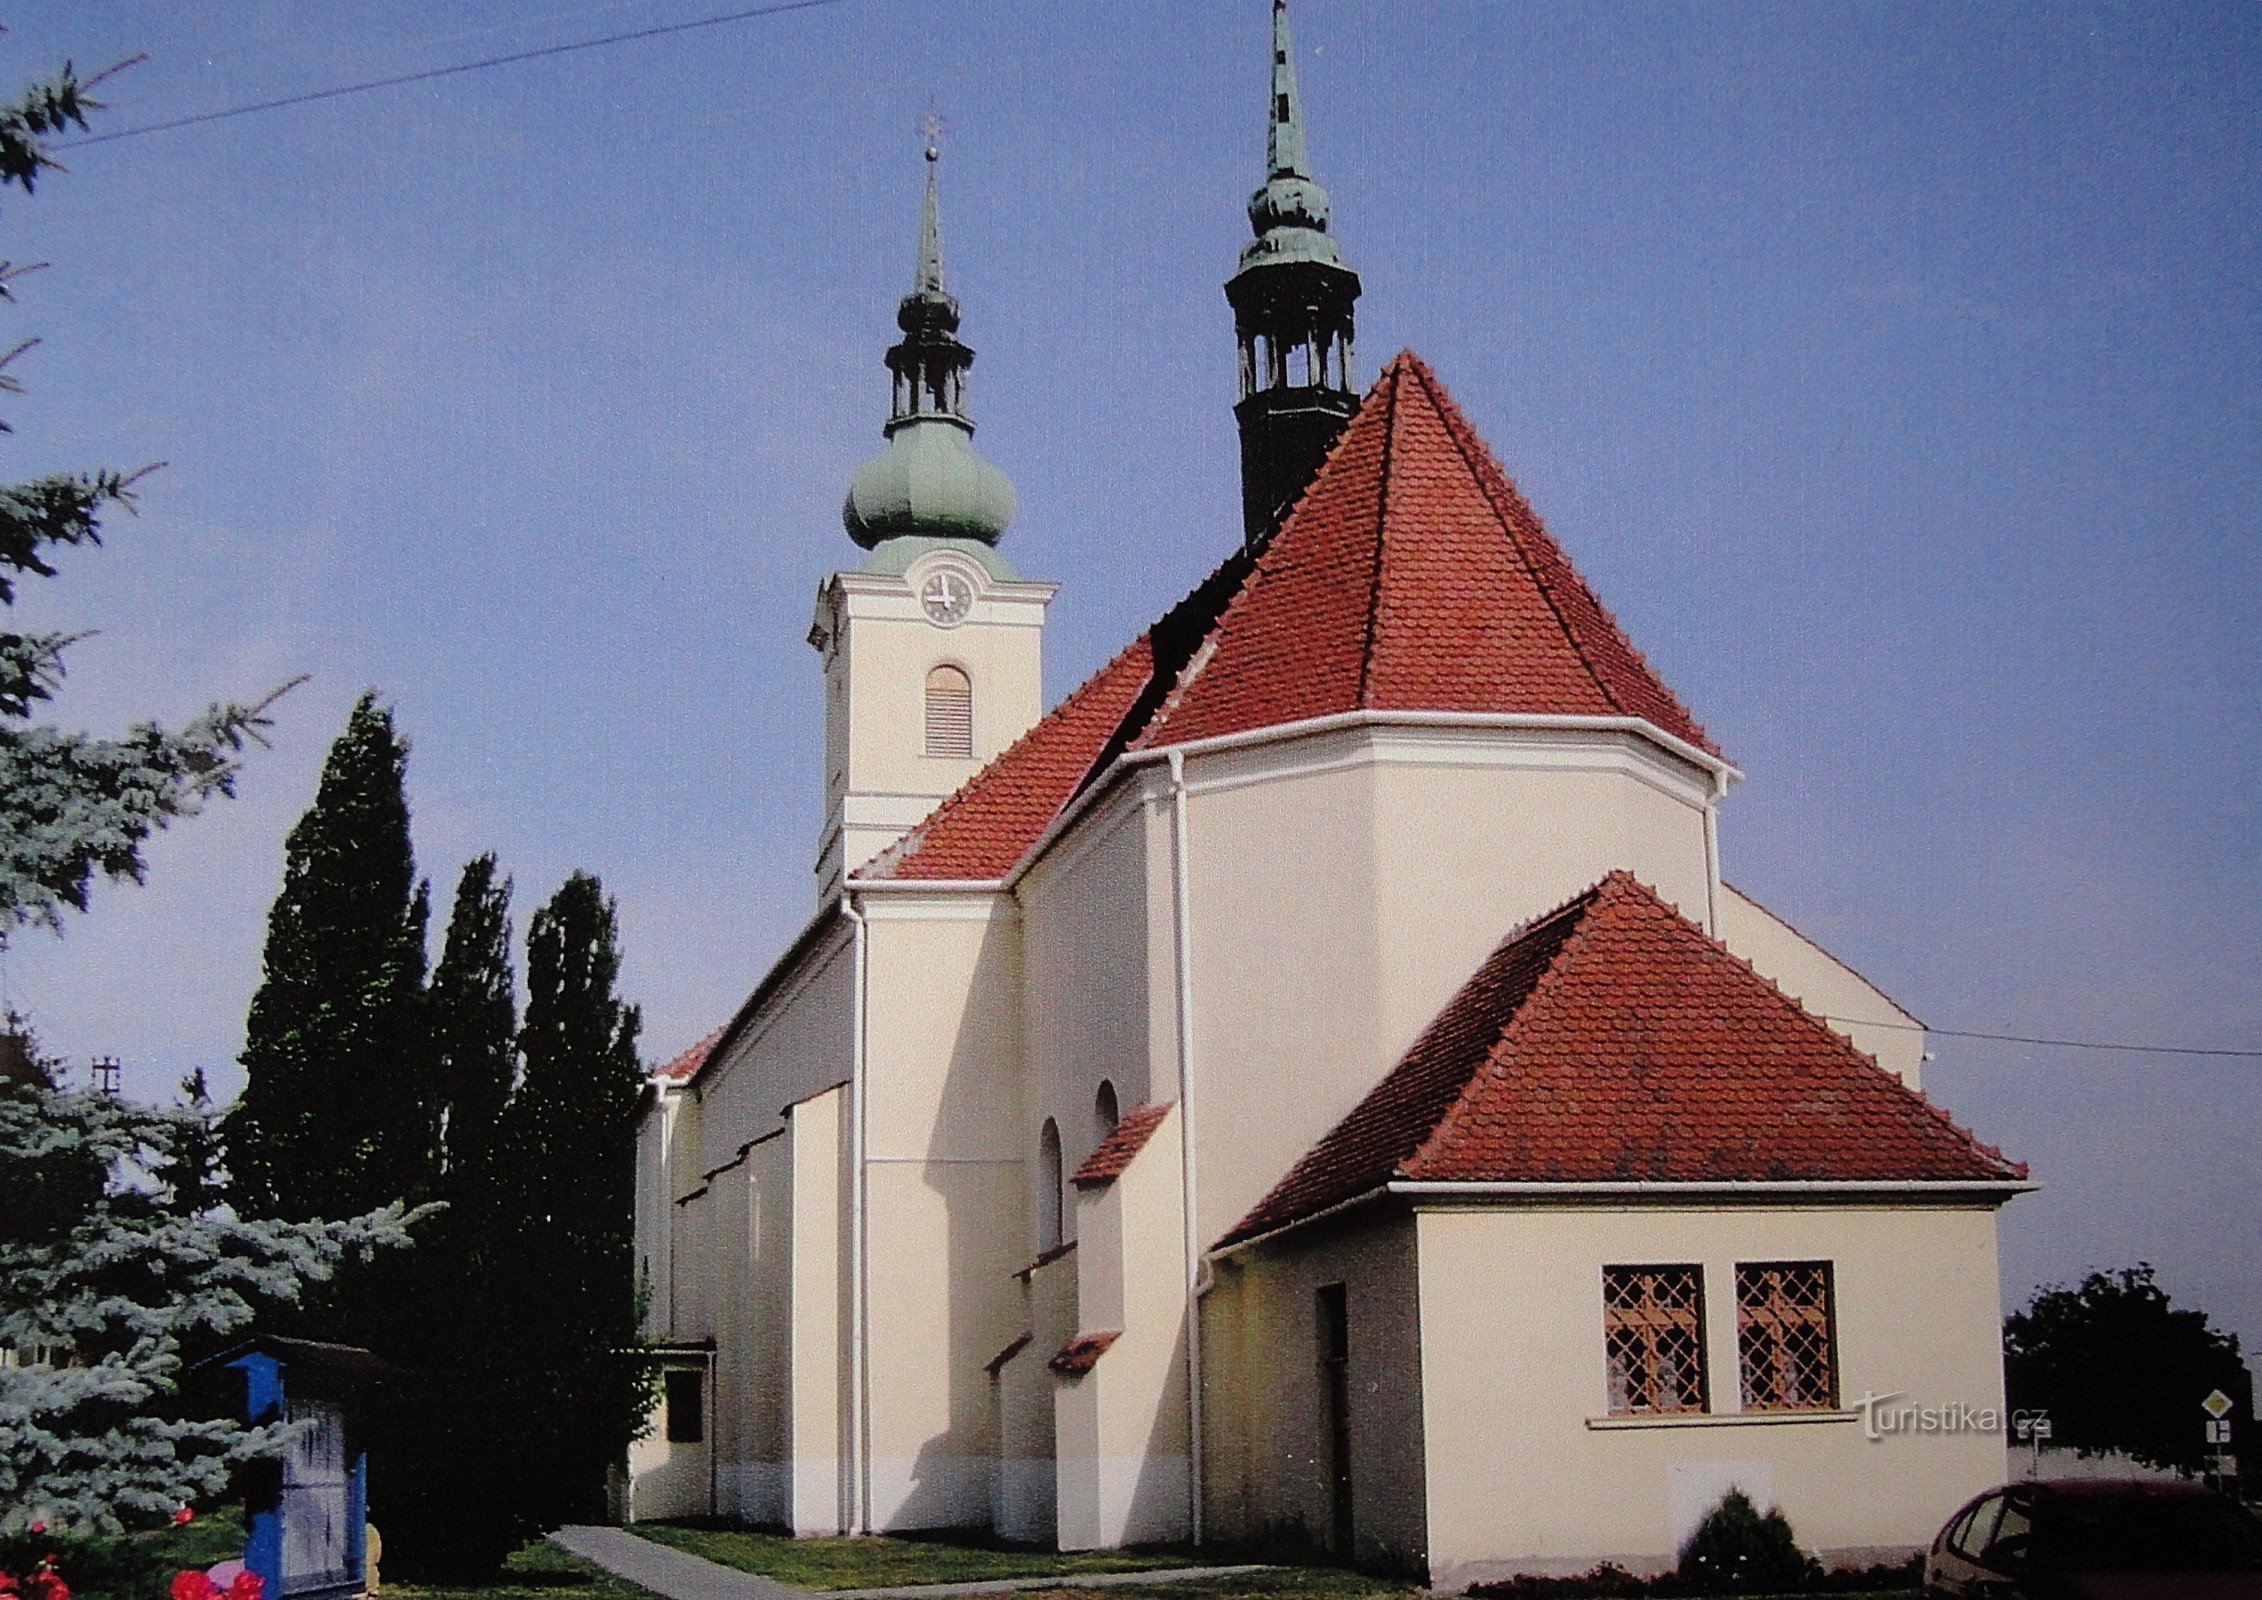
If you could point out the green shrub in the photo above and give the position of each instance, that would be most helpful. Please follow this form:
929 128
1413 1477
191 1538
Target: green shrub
1735 1550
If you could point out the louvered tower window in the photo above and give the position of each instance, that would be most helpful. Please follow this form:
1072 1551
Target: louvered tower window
1653 1338
950 713
1786 1346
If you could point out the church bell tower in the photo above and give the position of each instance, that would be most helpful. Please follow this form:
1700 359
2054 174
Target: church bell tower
1292 297
933 644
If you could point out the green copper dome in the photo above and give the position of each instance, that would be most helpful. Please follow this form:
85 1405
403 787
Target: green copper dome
928 481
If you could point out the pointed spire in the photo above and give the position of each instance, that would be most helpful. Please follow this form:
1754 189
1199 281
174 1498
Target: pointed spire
928 481
1292 314
1284 150
929 280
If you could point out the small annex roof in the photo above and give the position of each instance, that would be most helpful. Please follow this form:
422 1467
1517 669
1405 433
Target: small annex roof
1411 576
1113 1153
1614 1041
682 1068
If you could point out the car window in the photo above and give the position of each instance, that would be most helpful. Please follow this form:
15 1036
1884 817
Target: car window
2006 1548
1977 1527
2149 1533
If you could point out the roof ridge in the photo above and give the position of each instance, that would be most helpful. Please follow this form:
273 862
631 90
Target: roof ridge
1582 905
1463 434
1494 483
1394 375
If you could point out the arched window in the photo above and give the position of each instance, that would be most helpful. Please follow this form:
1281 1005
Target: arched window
1049 1196
1105 1113
950 713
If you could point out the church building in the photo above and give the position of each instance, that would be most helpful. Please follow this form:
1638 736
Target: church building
1311 1088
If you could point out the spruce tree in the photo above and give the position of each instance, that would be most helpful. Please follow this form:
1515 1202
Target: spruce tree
571 1276
339 1112
73 805
109 1284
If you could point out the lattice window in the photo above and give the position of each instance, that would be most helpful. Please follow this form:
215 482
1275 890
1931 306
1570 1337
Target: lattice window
950 713
1653 1338
1786 1338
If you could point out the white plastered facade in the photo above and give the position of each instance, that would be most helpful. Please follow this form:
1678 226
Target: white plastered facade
851 1206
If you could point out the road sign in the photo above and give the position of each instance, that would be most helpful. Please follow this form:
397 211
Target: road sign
2219 1432
2217 1405
2040 1430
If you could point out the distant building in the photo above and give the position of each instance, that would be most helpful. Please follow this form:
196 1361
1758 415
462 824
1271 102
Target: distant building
1312 1085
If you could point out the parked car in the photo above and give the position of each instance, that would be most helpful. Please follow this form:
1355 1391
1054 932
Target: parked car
2097 1540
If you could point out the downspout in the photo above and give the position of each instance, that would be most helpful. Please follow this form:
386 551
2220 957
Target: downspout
859 1310
1712 855
1183 940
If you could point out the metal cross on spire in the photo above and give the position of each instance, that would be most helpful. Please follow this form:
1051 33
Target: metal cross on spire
930 278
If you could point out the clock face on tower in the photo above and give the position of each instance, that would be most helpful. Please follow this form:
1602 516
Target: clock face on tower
946 598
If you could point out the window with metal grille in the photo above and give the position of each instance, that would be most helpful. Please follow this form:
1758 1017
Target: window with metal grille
950 713
1653 1338
1786 1338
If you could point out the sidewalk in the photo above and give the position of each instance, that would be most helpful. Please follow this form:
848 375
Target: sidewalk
677 1576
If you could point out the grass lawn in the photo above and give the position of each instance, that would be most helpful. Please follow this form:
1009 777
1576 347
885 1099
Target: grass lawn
541 1571
882 1562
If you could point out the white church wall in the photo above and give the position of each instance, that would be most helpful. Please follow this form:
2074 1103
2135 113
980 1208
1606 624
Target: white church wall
655 1220
1528 1473
1823 984
752 1370
796 1046
946 1218
1285 959
1122 1426
817 1313
1268 1463
1479 830
1345 884
1087 941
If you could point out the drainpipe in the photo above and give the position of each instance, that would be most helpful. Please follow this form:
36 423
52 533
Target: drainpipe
859 1310
1712 855
1183 940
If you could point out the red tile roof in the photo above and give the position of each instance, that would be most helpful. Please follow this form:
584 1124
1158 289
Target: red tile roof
1082 1353
1114 1153
1412 576
1614 1041
987 826
679 1069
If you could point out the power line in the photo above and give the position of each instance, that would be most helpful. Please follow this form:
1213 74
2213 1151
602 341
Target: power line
2056 1044
342 90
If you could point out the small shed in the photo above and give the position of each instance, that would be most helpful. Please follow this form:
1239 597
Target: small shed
305 1516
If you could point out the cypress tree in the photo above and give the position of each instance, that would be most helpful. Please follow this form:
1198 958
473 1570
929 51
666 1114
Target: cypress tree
571 1272
446 1446
474 1012
338 1113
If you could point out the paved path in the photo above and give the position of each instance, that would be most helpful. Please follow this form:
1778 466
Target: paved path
669 1572
678 1576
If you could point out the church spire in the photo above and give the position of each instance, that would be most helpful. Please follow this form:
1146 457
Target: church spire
1284 150
1292 302
928 481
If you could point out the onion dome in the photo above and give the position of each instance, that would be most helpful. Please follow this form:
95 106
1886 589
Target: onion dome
928 481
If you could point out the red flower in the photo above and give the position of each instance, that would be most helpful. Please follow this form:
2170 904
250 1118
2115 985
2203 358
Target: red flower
39 1527
190 1584
246 1586
183 1517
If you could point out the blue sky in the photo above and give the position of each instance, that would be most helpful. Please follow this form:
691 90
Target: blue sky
1892 372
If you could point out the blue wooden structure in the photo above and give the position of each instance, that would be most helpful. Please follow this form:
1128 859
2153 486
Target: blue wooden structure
306 1516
